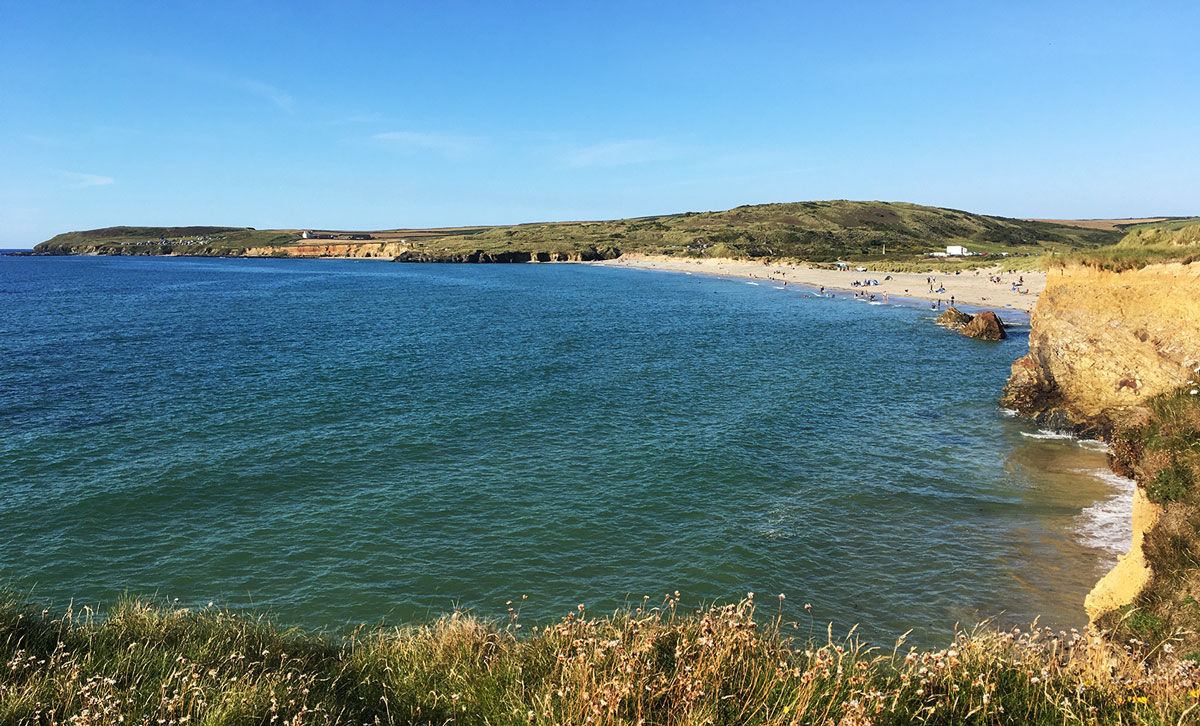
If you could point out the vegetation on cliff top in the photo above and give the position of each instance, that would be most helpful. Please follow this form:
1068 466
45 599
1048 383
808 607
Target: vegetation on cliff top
163 665
163 240
1172 241
813 231
1159 446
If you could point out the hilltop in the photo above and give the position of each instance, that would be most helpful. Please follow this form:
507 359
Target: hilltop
820 231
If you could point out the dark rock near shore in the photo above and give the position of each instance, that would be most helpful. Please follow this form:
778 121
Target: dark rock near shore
985 326
953 319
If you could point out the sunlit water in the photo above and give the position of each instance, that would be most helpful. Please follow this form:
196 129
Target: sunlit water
344 441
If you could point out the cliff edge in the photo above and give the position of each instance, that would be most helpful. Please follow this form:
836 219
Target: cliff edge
1111 356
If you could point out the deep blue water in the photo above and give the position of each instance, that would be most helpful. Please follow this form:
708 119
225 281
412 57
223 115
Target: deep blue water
343 441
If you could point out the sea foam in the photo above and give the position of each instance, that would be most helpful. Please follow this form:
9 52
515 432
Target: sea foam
1106 525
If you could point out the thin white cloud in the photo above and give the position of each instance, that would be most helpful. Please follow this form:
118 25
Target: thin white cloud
616 153
77 180
279 97
449 145
273 95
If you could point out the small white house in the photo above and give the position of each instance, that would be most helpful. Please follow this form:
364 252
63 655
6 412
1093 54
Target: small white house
306 234
956 251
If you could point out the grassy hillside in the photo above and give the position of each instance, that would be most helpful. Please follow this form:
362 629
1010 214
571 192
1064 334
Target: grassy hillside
163 240
815 231
663 665
812 231
1171 241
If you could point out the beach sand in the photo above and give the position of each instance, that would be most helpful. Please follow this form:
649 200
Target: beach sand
970 288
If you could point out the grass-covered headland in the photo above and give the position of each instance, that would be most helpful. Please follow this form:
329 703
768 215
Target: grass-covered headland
885 234
141 663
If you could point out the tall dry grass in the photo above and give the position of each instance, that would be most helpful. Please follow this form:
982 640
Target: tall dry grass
164 666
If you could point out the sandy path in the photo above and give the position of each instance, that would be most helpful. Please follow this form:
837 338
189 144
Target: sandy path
969 288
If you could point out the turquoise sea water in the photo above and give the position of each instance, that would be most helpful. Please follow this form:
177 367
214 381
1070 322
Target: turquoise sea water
343 441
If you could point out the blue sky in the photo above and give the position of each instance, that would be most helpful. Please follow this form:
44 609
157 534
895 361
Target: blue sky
373 115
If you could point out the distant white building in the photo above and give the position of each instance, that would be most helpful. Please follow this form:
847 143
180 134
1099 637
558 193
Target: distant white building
306 234
956 251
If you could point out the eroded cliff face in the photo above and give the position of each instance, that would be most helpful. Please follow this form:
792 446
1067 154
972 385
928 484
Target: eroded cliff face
1100 345
1102 342
359 250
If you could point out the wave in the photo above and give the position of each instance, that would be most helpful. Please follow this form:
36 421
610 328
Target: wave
1106 525
1047 434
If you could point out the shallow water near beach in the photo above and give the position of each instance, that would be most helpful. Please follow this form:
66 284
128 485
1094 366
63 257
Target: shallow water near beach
343 441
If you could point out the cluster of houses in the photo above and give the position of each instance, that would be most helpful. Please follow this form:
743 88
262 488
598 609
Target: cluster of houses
177 242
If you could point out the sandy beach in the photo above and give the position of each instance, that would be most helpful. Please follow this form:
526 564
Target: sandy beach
973 288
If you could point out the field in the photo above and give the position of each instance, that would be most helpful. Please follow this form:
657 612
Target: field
1110 224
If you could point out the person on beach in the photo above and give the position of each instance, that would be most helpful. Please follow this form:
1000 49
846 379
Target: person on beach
951 301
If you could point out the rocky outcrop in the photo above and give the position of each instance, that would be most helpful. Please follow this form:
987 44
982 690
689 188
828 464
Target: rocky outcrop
1102 342
953 318
985 326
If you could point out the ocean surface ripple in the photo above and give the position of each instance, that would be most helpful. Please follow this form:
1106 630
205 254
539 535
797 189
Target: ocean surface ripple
347 441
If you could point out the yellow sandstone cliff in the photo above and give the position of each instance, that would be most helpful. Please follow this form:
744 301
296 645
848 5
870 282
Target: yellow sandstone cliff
1100 344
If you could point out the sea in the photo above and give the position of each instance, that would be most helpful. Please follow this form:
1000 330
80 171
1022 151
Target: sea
340 442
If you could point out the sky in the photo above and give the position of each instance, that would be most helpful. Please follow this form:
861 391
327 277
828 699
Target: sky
379 115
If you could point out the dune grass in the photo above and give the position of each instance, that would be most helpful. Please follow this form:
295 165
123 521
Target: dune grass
1144 244
142 663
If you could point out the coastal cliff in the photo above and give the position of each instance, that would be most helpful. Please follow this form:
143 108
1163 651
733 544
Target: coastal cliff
1102 342
1114 355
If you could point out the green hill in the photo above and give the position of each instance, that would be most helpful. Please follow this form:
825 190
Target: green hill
813 231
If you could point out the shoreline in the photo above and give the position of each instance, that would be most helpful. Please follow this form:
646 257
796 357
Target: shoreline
970 288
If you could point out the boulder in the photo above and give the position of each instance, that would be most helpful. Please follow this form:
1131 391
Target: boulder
953 319
985 326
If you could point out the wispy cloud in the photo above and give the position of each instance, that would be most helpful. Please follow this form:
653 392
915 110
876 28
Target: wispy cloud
274 95
77 180
281 98
616 153
449 145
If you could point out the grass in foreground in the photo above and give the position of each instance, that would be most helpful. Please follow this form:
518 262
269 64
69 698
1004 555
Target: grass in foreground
148 664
